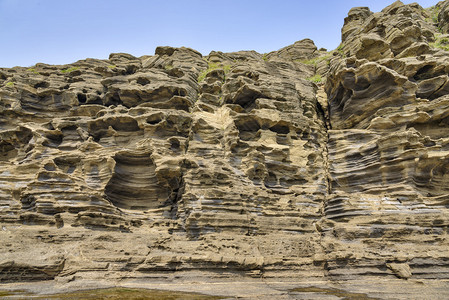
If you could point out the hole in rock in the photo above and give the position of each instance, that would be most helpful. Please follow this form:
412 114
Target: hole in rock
179 103
424 73
42 84
69 128
134 184
66 163
131 69
311 158
24 135
175 72
336 98
180 92
155 119
95 100
361 84
248 128
7 150
53 139
279 128
246 97
247 124
282 139
28 202
5 146
271 180
174 144
249 135
123 124
143 81
81 98
49 167
112 98
99 127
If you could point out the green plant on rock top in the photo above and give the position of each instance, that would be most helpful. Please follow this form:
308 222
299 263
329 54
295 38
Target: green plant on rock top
213 66
441 42
433 12
265 57
202 75
314 61
316 78
112 67
340 49
33 70
69 70
227 69
307 61
10 84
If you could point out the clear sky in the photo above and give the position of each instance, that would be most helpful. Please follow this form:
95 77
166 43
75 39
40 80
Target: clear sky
64 31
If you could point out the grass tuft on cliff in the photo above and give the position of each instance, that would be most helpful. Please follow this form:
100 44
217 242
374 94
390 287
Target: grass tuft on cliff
316 78
69 70
213 66
441 42
433 11
314 61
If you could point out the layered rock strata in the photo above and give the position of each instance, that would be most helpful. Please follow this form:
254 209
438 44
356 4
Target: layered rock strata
325 166
388 108
205 153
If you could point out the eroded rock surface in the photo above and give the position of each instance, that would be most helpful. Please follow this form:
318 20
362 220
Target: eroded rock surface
388 159
330 166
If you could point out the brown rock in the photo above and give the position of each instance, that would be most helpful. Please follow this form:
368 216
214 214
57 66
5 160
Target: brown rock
229 168
356 17
402 270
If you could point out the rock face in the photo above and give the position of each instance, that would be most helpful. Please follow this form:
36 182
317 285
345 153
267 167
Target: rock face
234 163
388 159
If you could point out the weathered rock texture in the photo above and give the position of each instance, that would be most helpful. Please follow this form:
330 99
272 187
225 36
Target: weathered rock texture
388 147
234 163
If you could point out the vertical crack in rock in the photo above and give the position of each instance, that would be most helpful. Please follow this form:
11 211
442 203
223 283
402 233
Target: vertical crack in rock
176 196
387 93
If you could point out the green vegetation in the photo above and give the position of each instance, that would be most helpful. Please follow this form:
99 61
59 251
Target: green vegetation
440 42
10 84
227 69
69 70
112 67
316 78
33 70
340 49
314 61
13 293
213 66
168 67
433 12
265 57
128 293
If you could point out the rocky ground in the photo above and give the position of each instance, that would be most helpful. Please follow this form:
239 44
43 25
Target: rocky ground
296 173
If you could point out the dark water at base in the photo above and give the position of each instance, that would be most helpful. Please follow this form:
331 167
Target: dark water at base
344 295
113 294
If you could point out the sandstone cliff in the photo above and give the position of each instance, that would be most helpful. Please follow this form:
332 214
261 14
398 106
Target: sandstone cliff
329 167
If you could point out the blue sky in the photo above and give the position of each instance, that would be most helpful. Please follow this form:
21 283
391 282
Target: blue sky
64 31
